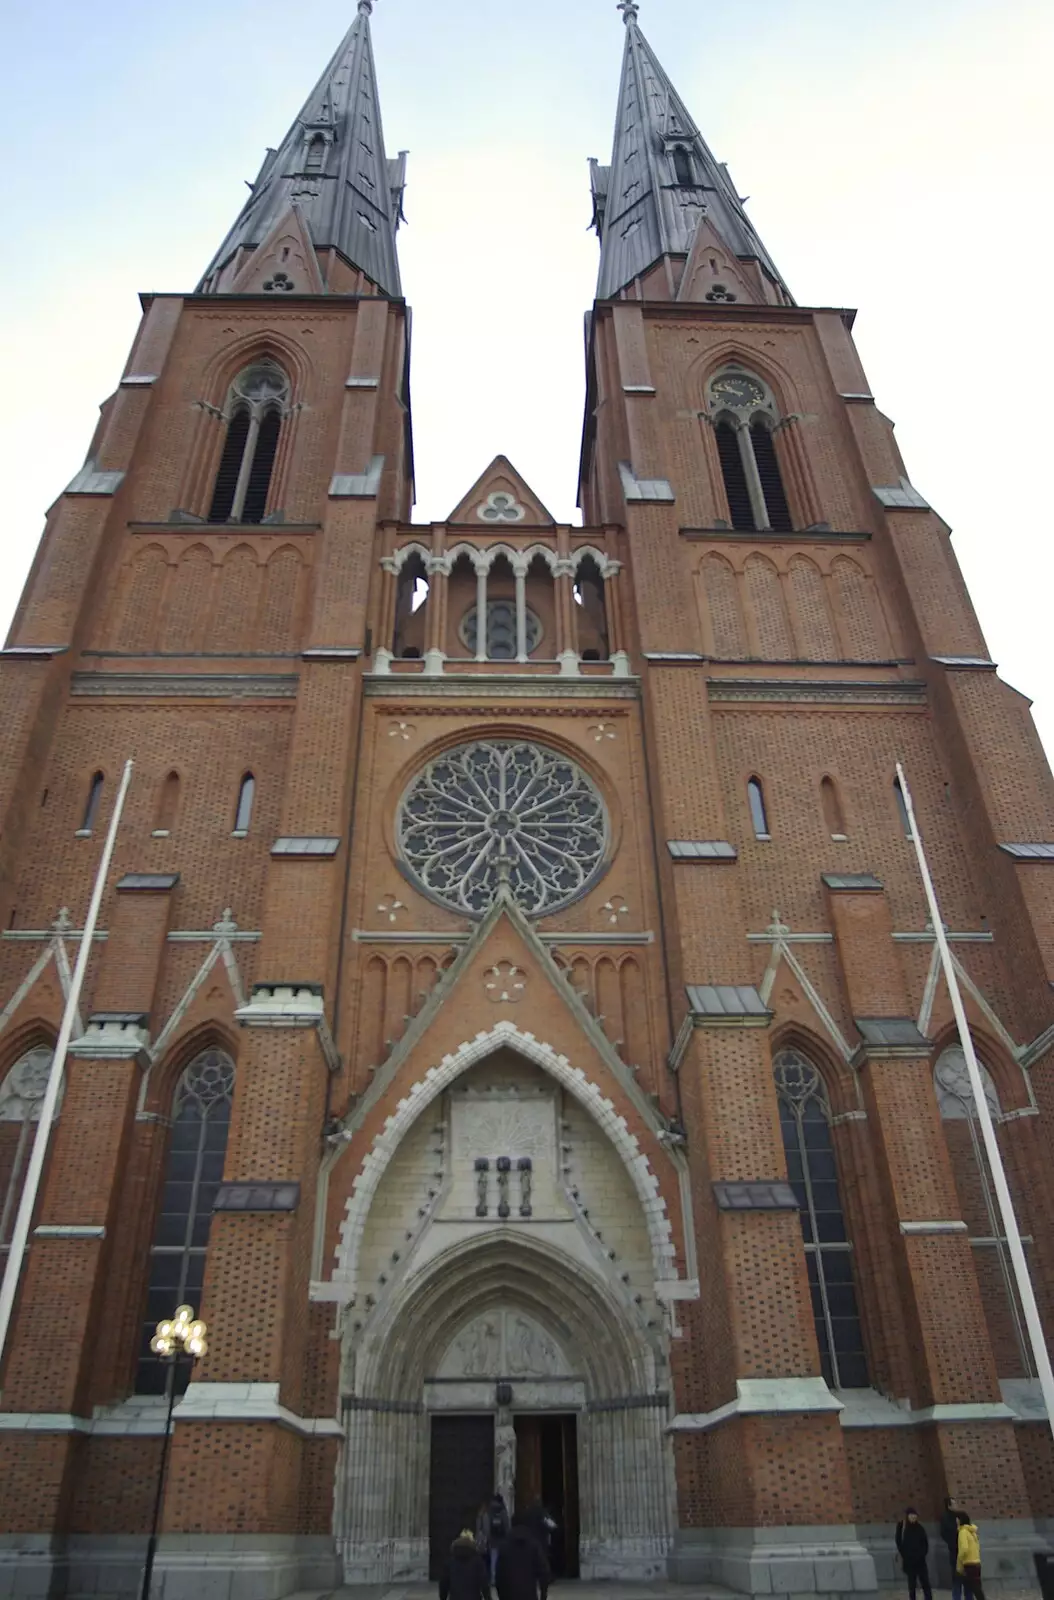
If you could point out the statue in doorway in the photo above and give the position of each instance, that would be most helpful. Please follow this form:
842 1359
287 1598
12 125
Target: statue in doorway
505 1462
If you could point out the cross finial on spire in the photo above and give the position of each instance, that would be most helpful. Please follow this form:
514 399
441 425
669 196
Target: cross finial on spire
630 11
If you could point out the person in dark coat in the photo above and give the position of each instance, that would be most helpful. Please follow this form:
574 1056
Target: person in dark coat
497 1529
950 1535
913 1546
541 1524
464 1576
523 1571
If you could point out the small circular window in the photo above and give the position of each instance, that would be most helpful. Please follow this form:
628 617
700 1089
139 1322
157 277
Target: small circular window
484 809
501 630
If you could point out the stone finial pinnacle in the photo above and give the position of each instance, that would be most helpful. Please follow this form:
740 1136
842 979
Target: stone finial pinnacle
365 8
630 11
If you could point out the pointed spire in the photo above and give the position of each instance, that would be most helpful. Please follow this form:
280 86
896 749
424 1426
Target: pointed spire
332 168
663 179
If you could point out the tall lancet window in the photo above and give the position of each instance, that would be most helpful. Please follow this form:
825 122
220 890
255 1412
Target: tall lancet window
201 1116
257 403
744 414
805 1122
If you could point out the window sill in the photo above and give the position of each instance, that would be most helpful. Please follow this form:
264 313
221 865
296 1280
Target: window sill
763 838
240 833
160 833
83 833
840 838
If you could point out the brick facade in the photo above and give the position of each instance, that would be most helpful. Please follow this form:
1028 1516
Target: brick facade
381 1036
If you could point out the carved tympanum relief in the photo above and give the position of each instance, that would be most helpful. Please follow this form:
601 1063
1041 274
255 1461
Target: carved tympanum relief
504 1344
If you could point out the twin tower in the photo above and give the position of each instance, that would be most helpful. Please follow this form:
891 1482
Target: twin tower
513 1021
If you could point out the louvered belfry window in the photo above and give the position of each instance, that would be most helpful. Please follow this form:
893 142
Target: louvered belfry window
744 414
257 404
734 474
769 472
230 466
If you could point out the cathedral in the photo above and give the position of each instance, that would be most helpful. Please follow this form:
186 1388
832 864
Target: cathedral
514 1022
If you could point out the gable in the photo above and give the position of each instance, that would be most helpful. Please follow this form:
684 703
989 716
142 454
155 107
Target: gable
285 257
501 499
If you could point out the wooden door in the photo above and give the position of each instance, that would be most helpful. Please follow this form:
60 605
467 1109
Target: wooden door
461 1480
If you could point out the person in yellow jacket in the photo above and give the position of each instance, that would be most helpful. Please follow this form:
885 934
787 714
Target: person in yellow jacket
968 1564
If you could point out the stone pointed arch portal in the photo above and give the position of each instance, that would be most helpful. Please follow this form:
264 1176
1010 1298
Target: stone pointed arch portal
505 1034
592 1359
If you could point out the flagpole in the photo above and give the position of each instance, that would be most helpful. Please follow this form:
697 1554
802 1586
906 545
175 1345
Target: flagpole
1040 1354
27 1205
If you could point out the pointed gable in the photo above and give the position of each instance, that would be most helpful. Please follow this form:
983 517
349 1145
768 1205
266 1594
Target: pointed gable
285 261
712 273
507 960
663 180
332 163
500 498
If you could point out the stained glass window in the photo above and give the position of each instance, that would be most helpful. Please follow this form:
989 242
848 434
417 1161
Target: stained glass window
805 1122
201 1118
487 810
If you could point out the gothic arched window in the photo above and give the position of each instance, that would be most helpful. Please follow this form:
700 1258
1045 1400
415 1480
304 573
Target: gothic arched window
805 1122
21 1096
168 804
744 414
243 814
255 408
91 805
682 166
758 815
201 1115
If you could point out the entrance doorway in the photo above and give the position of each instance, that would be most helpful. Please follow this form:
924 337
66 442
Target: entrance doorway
547 1470
461 1479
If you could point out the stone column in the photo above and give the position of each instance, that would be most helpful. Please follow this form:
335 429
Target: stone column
750 469
482 564
519 569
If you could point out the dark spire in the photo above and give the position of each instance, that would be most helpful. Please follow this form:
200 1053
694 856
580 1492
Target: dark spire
663 179
331 172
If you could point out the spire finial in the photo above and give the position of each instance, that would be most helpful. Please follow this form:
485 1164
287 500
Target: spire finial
365 8
630 11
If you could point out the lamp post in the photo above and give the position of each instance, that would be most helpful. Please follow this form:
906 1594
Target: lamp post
180 1337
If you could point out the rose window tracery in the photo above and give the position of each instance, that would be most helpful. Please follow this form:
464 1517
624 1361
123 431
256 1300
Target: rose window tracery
503 809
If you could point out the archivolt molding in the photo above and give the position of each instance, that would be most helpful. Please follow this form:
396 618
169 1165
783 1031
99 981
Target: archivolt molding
579 1312
343 1285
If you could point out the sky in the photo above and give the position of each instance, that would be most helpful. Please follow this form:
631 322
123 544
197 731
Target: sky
896 154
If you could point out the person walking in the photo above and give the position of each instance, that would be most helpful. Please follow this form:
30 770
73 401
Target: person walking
497 1529
464 1575
950 1535
541 1524
522 1570
968 1564
913 1547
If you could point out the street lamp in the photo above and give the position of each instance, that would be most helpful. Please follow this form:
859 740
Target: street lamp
180 1337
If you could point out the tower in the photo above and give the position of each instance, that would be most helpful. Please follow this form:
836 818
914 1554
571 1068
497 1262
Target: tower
441 1043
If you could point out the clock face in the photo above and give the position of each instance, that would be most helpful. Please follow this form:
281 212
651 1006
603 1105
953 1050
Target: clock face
735 389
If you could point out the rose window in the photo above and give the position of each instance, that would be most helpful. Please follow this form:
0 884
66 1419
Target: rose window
499 810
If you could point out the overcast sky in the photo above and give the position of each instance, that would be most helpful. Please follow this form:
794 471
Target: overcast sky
897 154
